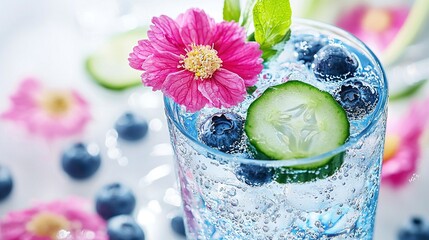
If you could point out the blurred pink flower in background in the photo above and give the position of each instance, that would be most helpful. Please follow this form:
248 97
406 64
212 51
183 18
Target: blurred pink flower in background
375 26
196 61
50 113
402 146
54 220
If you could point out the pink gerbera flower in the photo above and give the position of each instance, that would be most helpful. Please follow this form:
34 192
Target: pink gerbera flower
376 26
51 221
47 112
402 146
196 61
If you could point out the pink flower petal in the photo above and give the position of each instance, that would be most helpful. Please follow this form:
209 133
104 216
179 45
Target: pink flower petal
398 169
164 35
184 89
27 112
140 53
247 63
224 89
197 27
13 225
157 67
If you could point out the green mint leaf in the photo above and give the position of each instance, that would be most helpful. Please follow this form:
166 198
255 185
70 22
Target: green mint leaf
231 10
272 20
247 13
251 90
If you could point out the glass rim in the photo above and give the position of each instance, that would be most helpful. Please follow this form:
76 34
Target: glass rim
375 118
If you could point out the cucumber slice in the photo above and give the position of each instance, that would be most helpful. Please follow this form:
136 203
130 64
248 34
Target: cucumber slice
296 120
108 65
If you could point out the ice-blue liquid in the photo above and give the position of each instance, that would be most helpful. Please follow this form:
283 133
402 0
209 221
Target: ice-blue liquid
218 205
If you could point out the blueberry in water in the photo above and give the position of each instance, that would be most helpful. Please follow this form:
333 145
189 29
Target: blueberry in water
114 199
223 131
79 163
307 47
254 175
334 62
131 127
6 182
357 98
417 229
124 227
178 225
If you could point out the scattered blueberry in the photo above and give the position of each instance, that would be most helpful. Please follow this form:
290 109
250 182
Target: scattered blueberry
124 227
131 127
254 175
307 47
178 225
223 131
357 98
333 62
6 182
79 163
114 199
417 229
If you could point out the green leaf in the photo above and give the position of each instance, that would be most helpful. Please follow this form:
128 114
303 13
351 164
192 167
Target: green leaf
408 92
247 13
231 10
272 20
251 90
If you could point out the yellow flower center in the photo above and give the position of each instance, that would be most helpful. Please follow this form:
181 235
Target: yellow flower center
47 224
56 103
201 60
391 146
376 20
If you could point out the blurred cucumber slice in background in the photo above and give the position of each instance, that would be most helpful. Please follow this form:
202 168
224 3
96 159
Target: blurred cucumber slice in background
108 64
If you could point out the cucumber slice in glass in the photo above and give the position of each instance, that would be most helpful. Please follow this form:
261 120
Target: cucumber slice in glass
296 120
108 65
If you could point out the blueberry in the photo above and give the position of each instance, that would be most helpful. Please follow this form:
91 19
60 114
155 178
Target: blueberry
417 229
124 227
223 131
131 127
357 98
333 62
254 175
79 163
114 199
307 47
6 182
178 225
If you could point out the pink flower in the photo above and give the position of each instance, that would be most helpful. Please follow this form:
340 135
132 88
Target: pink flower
402 147
54 220
196 61
377 27
47 112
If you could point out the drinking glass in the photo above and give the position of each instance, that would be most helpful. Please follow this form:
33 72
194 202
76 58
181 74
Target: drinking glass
220 201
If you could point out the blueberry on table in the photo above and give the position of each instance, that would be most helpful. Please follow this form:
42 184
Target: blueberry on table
124 227
178 225
223 131
131 127
307 47
417 229
333 63
357 98
114 199
254 175
6 182
79 163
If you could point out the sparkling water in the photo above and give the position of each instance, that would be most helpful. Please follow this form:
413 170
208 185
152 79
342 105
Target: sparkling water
220 204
